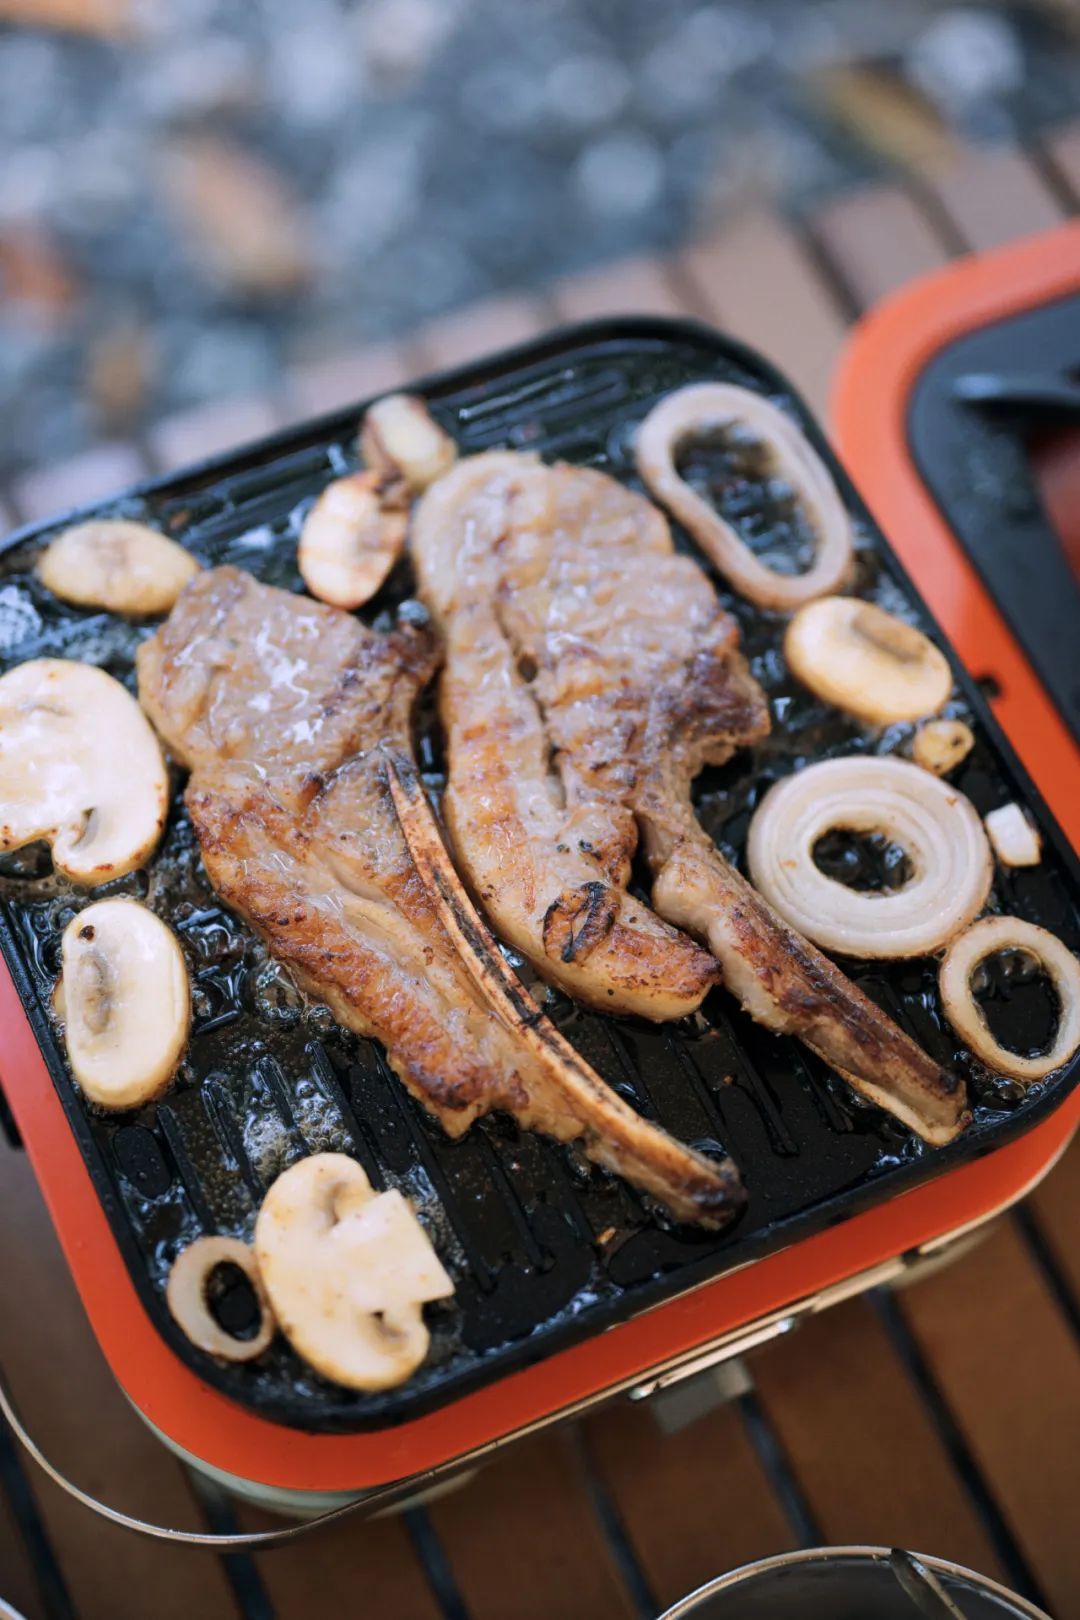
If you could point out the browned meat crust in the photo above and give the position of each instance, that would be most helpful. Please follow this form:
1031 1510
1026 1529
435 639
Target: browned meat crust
295 721
562 602
545 852
612 1134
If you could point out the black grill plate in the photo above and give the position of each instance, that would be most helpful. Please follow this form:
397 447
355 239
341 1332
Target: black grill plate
544 1250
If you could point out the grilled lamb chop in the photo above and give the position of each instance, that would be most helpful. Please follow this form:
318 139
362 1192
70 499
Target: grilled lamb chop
589 661
548 856
295 720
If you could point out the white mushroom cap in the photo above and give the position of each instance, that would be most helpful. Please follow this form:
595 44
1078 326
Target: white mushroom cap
125 999
399 438
115 564
347 1270
79 767
351 539
864 660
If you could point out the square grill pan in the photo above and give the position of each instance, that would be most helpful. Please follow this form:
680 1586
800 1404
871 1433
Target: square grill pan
544 1249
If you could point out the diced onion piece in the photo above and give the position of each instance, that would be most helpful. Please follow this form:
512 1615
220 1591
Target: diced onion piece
965 1015
125 998
347 1271
1016 842
705 408
115 564
186 1296
941 745
865 661
937 828
400 438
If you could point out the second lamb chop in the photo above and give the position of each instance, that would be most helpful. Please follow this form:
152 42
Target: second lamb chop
590 674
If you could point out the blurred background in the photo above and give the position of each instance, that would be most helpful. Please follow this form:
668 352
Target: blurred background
195 196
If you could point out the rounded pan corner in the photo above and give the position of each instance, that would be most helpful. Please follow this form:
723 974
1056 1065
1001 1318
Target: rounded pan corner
883 360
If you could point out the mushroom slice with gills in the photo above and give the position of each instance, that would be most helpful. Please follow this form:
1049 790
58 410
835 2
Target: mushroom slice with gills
352 537
187 1294
116 564
706 409
937 828
1016 842
125 999
399 439
347 1271
862 659
80 768
940 746
983 939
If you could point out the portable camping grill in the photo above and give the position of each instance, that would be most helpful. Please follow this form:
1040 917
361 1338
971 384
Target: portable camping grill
570 1291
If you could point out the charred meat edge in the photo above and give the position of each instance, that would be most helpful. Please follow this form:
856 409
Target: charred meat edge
687 1182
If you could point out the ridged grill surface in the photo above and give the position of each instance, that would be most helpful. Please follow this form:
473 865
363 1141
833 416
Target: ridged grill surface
544 1249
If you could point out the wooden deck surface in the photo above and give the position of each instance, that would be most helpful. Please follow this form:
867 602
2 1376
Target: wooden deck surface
945 1416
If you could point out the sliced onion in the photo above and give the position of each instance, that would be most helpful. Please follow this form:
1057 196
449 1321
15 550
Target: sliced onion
965 1015
1015 840
186 1296
866 661
937 828
705 408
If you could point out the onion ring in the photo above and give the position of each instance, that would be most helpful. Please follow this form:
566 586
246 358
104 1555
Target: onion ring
965 1015
937 827
185 1293
706 407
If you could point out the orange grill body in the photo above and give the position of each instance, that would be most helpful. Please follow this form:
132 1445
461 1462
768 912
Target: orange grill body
885 358
889 350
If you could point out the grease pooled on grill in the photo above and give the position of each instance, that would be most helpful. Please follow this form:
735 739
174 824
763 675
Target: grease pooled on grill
547 1250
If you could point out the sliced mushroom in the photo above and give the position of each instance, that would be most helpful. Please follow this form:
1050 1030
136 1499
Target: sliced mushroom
125 999
399 439
860 658
347 1271
983 939
706 408
115 564
939 746
1016 842
187 1296
352 537
79 767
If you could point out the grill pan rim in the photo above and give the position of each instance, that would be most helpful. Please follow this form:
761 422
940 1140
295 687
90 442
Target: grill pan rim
872 1190
879 366
929 398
